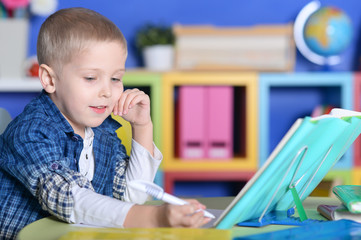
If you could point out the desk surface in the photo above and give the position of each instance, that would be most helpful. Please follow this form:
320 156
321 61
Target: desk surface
50 228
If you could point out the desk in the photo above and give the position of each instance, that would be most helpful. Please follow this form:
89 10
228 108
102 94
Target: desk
50 228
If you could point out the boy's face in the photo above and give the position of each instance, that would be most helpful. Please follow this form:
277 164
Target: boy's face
88 87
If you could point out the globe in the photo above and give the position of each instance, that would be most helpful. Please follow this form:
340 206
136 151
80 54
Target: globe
328 31
322 33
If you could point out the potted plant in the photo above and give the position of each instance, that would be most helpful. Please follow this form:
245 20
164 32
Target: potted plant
156 42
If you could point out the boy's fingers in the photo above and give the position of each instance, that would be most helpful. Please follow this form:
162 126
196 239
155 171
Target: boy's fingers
196 203
121 104
187 216
124 100
129 99
139 98
115 109
195 220
188 209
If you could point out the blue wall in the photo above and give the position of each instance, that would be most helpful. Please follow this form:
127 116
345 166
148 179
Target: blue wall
129 15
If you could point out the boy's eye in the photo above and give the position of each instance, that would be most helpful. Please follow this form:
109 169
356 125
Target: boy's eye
89 78
116 79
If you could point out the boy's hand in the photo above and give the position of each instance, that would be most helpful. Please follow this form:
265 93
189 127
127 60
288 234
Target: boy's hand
167 215
183 215
134 106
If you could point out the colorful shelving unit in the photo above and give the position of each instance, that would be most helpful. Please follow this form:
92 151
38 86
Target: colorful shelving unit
288 96
176 168
271 102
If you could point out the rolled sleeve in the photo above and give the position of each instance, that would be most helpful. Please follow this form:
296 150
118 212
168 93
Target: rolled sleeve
142 165
98 210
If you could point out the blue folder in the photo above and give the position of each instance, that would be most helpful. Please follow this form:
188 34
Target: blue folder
332 230
301 160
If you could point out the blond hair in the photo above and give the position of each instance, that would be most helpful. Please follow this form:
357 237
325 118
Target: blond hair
67 31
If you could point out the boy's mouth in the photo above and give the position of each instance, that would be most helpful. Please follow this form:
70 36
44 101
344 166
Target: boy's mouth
98 109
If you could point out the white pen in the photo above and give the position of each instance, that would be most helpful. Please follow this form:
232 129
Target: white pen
158 192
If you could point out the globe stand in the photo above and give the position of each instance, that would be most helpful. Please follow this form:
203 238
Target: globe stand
328 62
310 15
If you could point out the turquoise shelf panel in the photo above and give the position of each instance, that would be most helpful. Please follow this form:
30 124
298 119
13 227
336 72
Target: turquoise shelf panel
284 97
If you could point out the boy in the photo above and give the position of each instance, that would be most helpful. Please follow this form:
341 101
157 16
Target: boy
62 157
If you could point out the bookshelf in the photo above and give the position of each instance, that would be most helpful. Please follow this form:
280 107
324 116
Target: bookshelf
243 162
284 97
268 103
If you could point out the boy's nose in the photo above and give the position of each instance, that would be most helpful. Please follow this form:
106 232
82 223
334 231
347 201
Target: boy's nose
106 90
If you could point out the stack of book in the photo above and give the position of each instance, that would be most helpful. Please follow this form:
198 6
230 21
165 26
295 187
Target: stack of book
350 208
258 48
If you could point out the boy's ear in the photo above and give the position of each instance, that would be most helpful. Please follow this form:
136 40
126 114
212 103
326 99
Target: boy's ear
47 78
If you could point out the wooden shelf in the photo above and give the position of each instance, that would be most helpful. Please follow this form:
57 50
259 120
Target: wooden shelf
170 177
26 84
236 79
203 165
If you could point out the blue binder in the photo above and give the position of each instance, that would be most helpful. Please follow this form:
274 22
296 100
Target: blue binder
300 161
333 230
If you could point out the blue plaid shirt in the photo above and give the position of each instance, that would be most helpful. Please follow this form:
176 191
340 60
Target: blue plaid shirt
39 154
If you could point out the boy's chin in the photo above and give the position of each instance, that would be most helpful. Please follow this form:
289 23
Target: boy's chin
96 123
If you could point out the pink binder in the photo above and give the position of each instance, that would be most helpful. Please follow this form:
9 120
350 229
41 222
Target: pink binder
192 117
220 122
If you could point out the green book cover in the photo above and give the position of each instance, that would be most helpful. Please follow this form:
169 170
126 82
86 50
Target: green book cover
350 196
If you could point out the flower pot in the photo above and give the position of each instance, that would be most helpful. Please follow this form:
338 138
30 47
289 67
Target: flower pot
159 57
13 47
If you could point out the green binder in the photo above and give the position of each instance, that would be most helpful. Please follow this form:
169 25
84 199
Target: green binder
350 196
301 160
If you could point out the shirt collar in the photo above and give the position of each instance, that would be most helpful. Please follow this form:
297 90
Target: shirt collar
53 112
110 124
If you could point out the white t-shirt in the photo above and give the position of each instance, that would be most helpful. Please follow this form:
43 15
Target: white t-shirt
95 209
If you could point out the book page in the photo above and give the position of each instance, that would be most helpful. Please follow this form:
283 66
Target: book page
338 113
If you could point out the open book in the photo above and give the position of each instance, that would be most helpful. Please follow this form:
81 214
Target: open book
300 161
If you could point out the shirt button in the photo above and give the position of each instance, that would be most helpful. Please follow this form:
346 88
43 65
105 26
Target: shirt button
74 138
54 166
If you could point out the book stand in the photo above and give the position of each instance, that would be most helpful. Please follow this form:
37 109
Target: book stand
285 217
300 161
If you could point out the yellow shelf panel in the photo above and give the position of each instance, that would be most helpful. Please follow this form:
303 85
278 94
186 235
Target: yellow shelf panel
232 164
356 176
236 79
339 176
